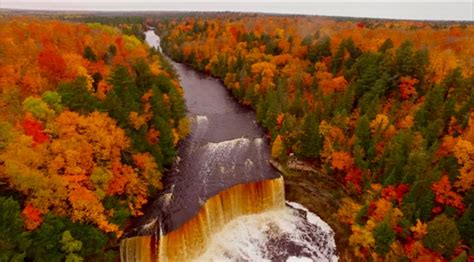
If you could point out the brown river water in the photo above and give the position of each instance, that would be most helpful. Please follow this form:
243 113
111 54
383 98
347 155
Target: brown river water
222 201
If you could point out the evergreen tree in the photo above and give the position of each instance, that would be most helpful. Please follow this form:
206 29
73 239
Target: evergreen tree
354 53
443 235
421 58
89 54
166 140
46 240
96 77
321 49
114 107
384 236
112 50
14 242
465 226
338 58
364 150
124 96
143 79
250 96
418 162
261 109
281 95
370 78
310 140
387 45
297 106
419 201
158 105
404 61
395 157
272 112
362 132
178 106
77 98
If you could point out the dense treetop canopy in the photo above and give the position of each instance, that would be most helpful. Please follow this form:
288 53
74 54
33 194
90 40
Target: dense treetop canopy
89 119
385 107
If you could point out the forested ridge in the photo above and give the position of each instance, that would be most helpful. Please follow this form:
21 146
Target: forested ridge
385 107
89 119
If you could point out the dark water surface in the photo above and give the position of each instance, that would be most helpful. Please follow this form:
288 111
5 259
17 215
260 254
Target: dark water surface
226 147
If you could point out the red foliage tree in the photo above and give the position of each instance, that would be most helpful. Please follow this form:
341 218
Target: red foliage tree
407 88
52 63
395 192
32 217
445 196
354 178
35 129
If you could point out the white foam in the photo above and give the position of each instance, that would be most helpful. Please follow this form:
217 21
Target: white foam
312 217
166 198
199 130
221 157
153 40
150 224
202 122
299 259
258 141
202 119
249 163
248 238
226 146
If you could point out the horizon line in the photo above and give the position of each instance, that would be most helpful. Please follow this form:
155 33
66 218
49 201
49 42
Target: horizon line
428 10
228 11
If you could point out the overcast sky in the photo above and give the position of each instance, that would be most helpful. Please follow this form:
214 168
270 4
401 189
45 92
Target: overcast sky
401 9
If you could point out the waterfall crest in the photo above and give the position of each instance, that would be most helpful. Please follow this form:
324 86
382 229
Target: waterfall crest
221 200
191 239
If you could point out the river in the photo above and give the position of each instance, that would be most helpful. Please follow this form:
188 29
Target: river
227 148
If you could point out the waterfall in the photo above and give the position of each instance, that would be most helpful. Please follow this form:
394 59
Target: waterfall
223 201
291 233
202 123
192 239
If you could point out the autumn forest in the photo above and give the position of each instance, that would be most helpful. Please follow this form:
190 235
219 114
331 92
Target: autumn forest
387 108
91 119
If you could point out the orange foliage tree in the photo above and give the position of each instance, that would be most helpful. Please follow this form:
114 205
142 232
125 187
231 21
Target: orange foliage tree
374 109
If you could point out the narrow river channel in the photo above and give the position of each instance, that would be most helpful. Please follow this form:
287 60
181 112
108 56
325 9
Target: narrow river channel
224 160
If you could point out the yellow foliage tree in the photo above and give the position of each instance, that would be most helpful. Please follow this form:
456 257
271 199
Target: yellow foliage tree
277 147
349 208
419 230
68 174
379 123
464 152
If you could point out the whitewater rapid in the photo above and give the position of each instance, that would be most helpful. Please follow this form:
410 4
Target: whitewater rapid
223 172
268 236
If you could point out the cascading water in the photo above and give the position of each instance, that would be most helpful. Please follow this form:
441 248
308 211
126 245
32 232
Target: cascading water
222 200
193 237
291 234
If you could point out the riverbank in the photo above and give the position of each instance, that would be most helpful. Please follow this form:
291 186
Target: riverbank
225 162
321 195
